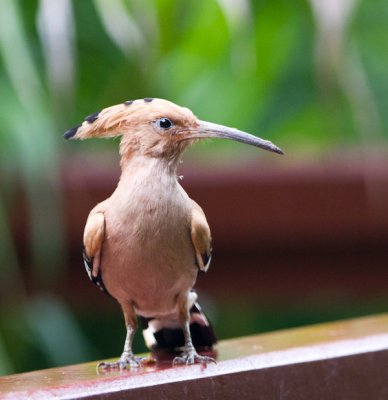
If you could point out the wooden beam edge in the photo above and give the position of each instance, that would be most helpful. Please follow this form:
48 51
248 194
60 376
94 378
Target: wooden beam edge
237 357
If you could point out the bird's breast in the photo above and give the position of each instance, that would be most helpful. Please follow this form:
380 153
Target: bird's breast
148 257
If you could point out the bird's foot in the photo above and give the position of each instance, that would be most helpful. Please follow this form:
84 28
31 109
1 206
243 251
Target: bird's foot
126 361
190 356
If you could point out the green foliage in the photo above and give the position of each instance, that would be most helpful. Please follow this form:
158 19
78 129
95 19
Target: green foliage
271 68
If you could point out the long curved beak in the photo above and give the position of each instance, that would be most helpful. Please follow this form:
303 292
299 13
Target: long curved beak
210 130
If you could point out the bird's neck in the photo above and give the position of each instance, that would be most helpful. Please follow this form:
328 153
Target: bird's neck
149 168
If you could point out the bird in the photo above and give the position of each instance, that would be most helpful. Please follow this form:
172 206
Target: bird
146 244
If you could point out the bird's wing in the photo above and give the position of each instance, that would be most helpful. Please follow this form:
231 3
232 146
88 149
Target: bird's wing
94 234
201 237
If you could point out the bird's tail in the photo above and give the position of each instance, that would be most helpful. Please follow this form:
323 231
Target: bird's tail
161 334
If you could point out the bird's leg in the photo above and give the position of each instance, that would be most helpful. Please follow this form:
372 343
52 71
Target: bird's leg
127 359
189 354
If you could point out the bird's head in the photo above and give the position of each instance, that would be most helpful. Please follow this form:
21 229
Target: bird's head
156 128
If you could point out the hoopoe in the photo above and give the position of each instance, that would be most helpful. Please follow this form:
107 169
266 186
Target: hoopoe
146 243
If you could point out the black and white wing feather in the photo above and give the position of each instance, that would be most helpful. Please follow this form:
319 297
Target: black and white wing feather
94 235
201 237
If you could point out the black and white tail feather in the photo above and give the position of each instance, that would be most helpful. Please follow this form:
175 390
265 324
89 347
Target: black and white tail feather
163 334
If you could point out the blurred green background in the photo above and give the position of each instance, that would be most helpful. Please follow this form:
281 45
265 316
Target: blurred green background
309 75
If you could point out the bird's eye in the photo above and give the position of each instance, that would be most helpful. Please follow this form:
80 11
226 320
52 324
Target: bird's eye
164 123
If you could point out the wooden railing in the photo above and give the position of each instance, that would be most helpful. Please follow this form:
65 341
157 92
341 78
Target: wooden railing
341 360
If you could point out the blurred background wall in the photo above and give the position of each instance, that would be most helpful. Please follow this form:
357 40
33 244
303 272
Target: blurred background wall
297 239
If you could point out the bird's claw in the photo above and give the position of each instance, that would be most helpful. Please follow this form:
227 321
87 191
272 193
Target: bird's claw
192 357
125 362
